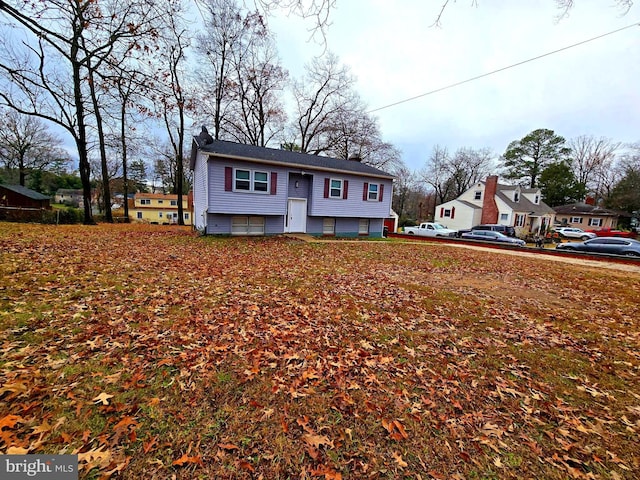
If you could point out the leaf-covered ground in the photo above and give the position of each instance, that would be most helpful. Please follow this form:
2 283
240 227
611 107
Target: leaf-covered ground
154 353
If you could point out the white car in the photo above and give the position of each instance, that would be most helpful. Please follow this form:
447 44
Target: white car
572 232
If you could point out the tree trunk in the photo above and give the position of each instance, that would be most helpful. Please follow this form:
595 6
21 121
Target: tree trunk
81 139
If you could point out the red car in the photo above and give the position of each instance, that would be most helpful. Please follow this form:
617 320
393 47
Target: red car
608 232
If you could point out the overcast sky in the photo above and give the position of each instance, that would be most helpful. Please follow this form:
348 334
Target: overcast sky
396 53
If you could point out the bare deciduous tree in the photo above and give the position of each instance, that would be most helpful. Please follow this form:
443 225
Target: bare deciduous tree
48 68
320 98
436 174
469 166
26 144
172 97
593 160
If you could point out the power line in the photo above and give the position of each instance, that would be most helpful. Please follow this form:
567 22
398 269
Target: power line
502 69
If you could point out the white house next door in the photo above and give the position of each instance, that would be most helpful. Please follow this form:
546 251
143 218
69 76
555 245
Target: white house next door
296 216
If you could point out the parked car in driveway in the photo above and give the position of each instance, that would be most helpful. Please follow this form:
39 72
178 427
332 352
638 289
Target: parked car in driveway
491 236
573 232
610 245
430 229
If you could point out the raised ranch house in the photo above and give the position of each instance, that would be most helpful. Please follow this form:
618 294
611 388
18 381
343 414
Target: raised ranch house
489 202
158 208
247 190
585 216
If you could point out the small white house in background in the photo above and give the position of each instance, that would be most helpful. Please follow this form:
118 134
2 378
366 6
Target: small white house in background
488 202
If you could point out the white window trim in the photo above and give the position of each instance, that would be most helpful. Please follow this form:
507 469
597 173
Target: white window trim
575 220
477 195
595 222
376 193
446 213
252 181
331 188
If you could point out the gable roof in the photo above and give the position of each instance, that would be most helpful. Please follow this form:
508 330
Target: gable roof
25 192
585 209
273 156
159 196
523 204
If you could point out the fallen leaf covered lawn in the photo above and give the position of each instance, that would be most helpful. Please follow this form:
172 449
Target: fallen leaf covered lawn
154 353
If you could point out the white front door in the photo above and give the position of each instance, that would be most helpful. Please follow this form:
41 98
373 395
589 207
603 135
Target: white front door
297 215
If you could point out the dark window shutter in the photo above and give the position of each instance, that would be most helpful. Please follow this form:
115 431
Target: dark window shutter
381 192
441 212
365 191
326 188
453 212
274 183
345 189
228 179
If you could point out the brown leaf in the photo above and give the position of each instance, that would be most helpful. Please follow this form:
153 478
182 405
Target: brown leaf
186 459
10 421
398 458
103 398
317 440
228 446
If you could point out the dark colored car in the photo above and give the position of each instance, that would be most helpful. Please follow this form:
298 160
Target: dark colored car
490 236
507 230
610 245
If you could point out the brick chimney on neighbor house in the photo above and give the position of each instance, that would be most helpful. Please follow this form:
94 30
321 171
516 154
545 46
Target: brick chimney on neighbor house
489 207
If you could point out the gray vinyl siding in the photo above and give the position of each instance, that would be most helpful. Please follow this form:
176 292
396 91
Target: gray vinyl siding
353 206
246 203
200 201
345 227
221 224
302 190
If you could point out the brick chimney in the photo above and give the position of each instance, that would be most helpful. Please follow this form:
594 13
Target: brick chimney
489 207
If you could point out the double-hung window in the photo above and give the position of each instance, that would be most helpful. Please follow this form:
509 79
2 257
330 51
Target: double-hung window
373 192
520 220
595 222
251 181
243 180
260 182
335 188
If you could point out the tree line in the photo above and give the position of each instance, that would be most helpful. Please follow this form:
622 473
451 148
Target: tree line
118 77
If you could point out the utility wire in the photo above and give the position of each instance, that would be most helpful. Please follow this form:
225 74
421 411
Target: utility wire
501 69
